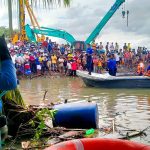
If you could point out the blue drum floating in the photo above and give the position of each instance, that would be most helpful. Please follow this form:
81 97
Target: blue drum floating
76 115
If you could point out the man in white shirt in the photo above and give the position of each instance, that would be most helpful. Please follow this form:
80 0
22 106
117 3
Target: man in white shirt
13 56
117 58
112 47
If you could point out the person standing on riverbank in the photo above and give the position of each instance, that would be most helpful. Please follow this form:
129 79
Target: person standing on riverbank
61 64
54 62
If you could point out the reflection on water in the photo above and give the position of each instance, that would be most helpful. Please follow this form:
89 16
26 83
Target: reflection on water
135 103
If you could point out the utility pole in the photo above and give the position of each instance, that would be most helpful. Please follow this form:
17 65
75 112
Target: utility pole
10 17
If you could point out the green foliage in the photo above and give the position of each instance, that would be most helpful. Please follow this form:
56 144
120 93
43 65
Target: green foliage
45 3
15 96
6 31
42 115
45 113
49 3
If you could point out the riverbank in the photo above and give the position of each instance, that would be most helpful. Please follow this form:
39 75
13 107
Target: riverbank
134 102
130 108
34 134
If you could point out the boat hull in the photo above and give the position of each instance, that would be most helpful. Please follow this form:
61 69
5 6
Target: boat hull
115 82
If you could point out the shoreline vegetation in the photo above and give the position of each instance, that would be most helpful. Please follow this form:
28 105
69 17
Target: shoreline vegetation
31 127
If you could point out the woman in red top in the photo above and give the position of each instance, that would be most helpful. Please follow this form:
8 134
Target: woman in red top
95 62
74 67
126 58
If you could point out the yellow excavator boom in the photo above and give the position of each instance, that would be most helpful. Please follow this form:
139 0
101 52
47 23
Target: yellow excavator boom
22 36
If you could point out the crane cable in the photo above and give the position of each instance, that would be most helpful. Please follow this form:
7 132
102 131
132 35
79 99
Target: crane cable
124 13
127 17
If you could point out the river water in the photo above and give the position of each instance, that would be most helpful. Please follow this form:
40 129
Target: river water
132 105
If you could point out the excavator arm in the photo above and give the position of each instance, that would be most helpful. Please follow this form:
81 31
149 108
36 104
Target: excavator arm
103 22
48 32
68 37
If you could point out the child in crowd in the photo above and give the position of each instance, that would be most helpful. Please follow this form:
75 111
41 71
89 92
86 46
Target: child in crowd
95 63
27 68
69 68
99 65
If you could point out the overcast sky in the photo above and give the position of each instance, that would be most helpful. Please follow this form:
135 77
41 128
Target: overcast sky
83 16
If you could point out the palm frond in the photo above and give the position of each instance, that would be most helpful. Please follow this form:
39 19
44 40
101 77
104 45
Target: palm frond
45 3
15 96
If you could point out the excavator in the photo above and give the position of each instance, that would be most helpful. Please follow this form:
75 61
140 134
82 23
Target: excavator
22 35
32 32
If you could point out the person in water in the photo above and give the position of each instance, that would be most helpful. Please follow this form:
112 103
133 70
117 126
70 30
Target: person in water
8 81
89 59
112 65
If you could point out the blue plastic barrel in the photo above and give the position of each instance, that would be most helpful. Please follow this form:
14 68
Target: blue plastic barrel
76 115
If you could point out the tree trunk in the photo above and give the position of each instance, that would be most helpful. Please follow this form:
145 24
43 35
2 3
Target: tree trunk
19 15
10 17
22 19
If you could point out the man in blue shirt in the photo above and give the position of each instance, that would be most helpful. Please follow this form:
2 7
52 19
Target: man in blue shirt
148 68
49 47
89 50
112 65
89 60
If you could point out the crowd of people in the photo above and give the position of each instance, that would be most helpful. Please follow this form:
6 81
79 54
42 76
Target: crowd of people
49 57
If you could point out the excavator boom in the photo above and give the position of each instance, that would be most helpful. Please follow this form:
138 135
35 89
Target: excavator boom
103 22
68 37
49 32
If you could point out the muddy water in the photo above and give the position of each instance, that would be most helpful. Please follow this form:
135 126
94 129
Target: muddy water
132 105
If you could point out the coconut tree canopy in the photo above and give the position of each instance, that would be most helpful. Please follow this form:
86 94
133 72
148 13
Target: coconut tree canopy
14 4
45 3
15 94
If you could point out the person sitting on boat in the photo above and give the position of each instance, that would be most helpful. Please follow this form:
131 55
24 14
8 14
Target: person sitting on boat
112 65
8 80
140 68
89 60
148 70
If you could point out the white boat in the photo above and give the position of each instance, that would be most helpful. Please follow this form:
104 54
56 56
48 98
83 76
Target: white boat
119 81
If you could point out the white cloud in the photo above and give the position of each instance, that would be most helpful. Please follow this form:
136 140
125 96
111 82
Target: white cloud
82 17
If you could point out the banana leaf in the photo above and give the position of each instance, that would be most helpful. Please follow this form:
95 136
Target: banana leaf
15 96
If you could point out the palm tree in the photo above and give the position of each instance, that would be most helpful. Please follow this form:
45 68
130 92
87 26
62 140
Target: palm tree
45 3
10 16
15 94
